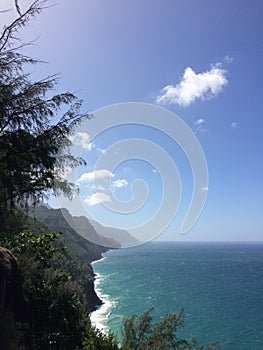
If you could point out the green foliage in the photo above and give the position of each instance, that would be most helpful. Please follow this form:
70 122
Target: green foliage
13 222
33 146
57 286
57 316
141 334
98 340
40 246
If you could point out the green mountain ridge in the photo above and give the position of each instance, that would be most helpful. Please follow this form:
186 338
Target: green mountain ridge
55 221
119 235
89 229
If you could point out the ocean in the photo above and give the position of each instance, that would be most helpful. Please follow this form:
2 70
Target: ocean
220 286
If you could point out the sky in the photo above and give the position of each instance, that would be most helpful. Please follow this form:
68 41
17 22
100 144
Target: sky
200 61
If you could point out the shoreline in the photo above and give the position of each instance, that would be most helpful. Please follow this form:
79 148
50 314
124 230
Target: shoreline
100 315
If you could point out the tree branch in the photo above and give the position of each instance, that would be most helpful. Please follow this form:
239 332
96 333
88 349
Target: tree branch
8 31
18 8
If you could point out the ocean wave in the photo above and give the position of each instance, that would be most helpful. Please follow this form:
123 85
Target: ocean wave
100 317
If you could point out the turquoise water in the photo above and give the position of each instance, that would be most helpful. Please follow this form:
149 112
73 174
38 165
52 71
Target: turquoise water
220 286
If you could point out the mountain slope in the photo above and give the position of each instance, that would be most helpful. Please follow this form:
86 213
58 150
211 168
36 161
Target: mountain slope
119 235
55 221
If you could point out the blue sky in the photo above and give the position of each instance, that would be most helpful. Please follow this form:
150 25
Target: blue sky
202 60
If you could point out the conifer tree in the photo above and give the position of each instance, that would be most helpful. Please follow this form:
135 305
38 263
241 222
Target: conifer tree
33 148
141 333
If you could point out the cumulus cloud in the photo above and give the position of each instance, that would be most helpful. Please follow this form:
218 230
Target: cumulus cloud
97 198
96 174
194 86
82 139
119 183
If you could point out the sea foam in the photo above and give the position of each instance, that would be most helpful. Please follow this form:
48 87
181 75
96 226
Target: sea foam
100 317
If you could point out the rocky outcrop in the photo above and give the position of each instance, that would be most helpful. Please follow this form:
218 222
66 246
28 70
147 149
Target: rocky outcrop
13 305
11 288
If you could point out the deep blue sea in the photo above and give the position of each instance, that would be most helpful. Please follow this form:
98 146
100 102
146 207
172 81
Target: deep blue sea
220 286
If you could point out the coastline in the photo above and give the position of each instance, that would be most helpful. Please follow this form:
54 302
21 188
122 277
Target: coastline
100 315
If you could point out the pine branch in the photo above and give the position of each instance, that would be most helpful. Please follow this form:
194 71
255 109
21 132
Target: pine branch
21 21
18 8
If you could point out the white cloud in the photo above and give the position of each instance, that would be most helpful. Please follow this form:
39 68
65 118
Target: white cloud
97 198
119 183
194 86
90 146
199 121
233 125
81 139
200 125
97 174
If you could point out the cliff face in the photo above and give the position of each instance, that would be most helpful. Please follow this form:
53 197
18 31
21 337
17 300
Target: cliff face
84 250
93 300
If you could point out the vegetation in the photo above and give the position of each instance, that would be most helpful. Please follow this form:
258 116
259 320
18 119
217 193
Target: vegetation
54 286
141 334
58 278
33 147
